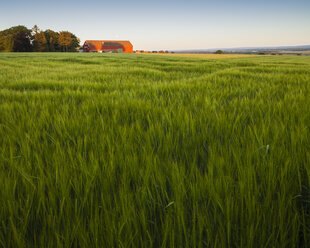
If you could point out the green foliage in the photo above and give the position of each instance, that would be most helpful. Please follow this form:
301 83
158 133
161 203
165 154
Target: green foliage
21 39
219 52
75 43
65 40
52 39
68 41
15 39
126 150
40 42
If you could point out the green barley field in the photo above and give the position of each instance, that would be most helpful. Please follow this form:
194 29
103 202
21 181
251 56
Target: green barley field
128 150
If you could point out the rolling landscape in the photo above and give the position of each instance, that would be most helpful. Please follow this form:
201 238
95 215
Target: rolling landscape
128 150
155 124
280 50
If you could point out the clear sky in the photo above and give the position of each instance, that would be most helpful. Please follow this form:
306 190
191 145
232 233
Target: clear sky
169 24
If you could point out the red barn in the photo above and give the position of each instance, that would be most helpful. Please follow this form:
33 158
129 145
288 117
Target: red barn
105 46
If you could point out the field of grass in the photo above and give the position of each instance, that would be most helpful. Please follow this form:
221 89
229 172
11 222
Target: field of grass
128 150
204 55
294 52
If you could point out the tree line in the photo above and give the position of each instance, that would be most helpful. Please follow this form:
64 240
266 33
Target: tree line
22 39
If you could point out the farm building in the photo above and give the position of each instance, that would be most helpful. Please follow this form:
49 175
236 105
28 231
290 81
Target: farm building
107 46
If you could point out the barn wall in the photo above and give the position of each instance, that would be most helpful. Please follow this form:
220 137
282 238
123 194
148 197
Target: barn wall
96 45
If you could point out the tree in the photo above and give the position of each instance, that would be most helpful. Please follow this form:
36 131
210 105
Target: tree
65 40
219 52
21 39
6 43
75 43
16 39
52 40
40 42
35 29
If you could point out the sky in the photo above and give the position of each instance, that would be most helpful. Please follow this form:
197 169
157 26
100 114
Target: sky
169 24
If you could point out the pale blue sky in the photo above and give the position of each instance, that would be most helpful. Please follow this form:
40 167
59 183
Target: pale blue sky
169 24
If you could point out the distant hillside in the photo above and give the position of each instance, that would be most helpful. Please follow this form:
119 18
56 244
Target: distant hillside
255 50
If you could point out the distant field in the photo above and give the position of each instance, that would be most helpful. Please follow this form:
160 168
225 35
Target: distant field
128 150
301 52
204 56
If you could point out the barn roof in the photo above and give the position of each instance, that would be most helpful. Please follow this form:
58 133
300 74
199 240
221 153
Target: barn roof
98 43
